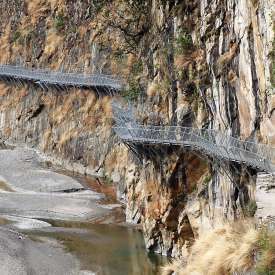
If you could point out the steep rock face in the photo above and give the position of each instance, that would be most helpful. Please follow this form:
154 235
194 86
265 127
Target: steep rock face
241 95
72 127
231 68
53 34
207 65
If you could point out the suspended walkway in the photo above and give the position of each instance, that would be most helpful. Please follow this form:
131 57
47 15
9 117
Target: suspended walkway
210 142
46 78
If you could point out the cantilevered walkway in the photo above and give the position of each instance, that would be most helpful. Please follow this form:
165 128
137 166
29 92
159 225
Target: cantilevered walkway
209 142
46 78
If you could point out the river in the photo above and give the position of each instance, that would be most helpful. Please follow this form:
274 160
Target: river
56 222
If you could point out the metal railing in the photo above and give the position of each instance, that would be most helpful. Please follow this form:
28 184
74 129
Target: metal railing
59 78
211 142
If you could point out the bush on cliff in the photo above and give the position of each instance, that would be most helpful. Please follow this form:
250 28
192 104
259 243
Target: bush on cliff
231 249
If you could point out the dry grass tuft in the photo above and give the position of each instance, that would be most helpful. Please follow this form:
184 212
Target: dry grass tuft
35 5
106 106
5 44
223 251
36 8
266 264
88 106
46 139
7 132
152 89
62 112
53 42
4 90
67 136
57 4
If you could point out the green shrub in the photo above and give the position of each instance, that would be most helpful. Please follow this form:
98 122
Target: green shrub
137 68
107 180
119 56
132 93
207 179
16 36
59 22
183 42
250 208
29 36
72 29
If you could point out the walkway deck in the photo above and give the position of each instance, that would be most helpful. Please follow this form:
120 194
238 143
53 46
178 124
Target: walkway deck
207 141
52 78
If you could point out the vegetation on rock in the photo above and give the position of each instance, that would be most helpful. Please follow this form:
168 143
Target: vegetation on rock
231 249
59 22
250 208
183 42
266 248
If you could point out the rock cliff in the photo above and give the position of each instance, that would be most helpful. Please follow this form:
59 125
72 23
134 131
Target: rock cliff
189 63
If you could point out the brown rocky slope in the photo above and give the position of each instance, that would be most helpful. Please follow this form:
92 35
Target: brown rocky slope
197 63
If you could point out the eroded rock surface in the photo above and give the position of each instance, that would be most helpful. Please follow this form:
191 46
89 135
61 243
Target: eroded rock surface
198 63
32 191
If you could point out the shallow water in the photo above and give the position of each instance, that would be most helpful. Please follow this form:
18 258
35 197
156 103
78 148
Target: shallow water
105 246
105 249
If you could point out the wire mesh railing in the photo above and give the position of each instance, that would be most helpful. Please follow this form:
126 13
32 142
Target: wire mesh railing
60 78
209 141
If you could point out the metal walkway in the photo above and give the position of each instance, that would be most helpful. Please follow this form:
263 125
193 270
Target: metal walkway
210 142
47 78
